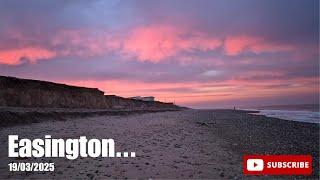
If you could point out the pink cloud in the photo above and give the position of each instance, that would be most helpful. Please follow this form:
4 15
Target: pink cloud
15 56
158 42
153 43
235 45
146 43
64 43
85 43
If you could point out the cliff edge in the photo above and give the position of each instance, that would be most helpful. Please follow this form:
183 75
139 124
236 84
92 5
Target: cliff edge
16 92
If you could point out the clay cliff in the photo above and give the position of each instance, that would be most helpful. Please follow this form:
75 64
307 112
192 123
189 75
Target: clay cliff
15 92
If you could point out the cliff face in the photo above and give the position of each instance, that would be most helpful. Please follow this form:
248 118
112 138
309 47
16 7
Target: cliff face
32 93
16 92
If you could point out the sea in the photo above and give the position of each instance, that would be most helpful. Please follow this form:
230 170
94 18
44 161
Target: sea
302 113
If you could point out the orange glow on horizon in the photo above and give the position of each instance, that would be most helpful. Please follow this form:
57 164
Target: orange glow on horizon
217 93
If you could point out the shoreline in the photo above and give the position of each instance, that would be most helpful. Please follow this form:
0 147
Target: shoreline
292 115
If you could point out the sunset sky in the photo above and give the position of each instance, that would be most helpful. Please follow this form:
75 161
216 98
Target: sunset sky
196 53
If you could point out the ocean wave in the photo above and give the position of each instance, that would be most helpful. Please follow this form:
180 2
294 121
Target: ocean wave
301 116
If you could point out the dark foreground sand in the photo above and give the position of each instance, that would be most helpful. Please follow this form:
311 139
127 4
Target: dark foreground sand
188 144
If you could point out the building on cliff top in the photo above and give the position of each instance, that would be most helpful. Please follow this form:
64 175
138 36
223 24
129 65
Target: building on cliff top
148 98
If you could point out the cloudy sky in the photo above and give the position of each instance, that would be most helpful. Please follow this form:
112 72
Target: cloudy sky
198 53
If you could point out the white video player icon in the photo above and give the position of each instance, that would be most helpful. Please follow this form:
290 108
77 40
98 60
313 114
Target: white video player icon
254 164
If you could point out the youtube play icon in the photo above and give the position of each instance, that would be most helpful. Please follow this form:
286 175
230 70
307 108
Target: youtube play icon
255 164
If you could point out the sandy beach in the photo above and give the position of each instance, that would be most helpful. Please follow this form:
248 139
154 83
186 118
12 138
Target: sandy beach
187 144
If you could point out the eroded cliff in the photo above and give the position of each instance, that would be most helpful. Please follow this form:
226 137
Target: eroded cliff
15 92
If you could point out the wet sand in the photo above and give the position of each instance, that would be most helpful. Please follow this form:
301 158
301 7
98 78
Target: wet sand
181 144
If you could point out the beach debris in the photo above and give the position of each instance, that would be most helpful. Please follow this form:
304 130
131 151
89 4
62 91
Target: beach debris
205 123
177 146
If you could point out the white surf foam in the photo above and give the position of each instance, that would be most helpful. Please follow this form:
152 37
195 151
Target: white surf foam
301 116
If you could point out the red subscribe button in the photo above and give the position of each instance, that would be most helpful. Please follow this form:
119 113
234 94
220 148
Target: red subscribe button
277 164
